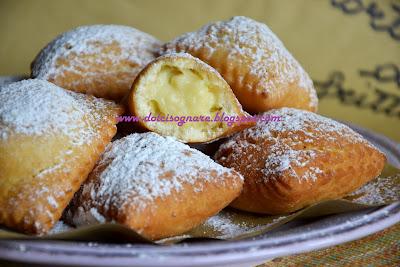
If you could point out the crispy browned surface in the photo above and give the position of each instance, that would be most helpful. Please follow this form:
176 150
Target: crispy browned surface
184 211
248 85
345 166
245 85
167 216
97 74
31 203
108 79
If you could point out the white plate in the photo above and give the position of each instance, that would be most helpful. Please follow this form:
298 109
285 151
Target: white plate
292 238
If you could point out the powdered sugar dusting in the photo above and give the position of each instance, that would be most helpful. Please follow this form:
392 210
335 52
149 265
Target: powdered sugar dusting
308 124
289 139
227 225
83 216
133 45
380 191
243 39
140 168
60 227
37 107
283 158
53 203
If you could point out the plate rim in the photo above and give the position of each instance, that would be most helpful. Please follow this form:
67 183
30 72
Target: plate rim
223 253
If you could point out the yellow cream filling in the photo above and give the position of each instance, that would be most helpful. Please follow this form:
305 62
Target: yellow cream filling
185 92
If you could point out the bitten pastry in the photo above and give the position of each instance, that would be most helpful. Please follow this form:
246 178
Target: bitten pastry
50 139
101 60
155 185
261 72
191 98
297 161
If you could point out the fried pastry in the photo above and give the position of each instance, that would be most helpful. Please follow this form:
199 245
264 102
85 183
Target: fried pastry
154 185
297 161
101 60
50 139
190 96
261 72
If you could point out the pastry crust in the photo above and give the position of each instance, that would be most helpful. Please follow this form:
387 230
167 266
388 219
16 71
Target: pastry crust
101 60
50 139
293 163
261 72
179 85
155 185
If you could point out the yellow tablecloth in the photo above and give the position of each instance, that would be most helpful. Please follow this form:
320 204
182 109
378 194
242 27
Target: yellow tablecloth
380 249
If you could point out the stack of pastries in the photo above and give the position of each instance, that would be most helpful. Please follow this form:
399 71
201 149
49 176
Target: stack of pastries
58 156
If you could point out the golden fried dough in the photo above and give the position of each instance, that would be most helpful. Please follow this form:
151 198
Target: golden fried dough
155 185
50 139
101 60
261 72
298 161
